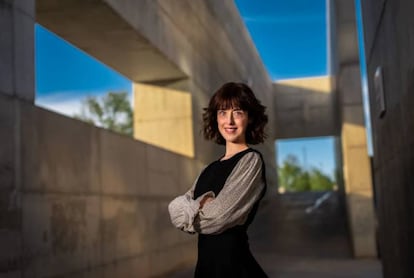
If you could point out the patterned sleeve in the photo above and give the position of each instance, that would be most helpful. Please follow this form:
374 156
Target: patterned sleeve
232 206
183 209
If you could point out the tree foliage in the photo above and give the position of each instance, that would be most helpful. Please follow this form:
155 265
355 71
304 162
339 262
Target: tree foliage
111 111
293 178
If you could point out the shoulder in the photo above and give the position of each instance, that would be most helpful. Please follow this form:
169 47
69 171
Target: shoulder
252 157
254 154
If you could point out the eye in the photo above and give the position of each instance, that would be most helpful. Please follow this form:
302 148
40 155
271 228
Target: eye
238 113
221 113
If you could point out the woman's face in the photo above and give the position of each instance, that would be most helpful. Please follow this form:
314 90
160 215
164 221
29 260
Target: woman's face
232 125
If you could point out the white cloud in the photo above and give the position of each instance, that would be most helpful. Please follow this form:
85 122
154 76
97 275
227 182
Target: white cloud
69 103
62 103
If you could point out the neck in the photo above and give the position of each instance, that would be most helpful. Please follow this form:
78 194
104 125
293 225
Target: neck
233 148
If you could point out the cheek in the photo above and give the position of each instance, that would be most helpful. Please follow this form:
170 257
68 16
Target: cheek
245 123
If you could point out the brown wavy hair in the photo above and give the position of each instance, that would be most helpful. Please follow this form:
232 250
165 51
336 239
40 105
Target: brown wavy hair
240 96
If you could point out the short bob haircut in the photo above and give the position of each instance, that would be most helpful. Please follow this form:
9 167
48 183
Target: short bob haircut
240 96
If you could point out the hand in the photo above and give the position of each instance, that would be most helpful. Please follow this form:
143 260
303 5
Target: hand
205 200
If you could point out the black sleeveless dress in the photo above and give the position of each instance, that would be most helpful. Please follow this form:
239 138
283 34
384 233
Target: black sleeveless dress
226 254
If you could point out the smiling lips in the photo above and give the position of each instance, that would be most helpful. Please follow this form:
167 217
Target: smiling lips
230 129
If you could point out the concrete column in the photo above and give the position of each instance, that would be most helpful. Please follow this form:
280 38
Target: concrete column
16 84
17 48
356 165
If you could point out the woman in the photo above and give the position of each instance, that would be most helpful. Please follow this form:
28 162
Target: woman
224 199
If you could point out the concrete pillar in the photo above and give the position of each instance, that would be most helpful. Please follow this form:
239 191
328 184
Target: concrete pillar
163 117
17 48
356 165
16 85
357 169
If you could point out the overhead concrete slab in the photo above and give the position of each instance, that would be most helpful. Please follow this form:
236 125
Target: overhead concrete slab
97 29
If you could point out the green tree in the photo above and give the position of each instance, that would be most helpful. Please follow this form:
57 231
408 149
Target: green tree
319 181
111 111
292 177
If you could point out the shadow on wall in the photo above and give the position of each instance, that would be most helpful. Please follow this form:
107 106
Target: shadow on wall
95 202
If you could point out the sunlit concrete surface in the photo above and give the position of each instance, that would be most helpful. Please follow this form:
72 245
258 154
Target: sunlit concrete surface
163 117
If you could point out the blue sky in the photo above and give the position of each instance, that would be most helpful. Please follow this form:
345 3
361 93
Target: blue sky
78 73
65 74
313 152
290 37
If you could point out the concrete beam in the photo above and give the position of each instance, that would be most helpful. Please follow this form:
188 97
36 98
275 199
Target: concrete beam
346 35
305 108
97 29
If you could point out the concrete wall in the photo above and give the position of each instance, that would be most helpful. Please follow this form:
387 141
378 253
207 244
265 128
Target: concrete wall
389 43
305 107
93 203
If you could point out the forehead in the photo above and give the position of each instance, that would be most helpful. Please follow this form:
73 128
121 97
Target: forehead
228 104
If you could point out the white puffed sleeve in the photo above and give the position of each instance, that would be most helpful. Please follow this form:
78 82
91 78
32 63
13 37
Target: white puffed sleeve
183 210
240 192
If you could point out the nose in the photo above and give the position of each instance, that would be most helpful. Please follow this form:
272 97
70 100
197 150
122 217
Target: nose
230 118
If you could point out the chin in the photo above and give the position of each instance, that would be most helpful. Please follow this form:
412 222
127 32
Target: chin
235 140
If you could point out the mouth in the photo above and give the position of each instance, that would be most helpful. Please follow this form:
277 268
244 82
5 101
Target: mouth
230 129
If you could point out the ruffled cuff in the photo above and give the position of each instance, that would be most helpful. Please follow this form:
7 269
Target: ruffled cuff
183 210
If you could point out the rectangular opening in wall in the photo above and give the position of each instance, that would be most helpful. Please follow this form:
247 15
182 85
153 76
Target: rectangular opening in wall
306 164
72 83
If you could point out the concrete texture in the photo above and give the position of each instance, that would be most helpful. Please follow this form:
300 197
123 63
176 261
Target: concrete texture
99 213
305 107
388 30
163 118
17 63
61 233
47 136
10 197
